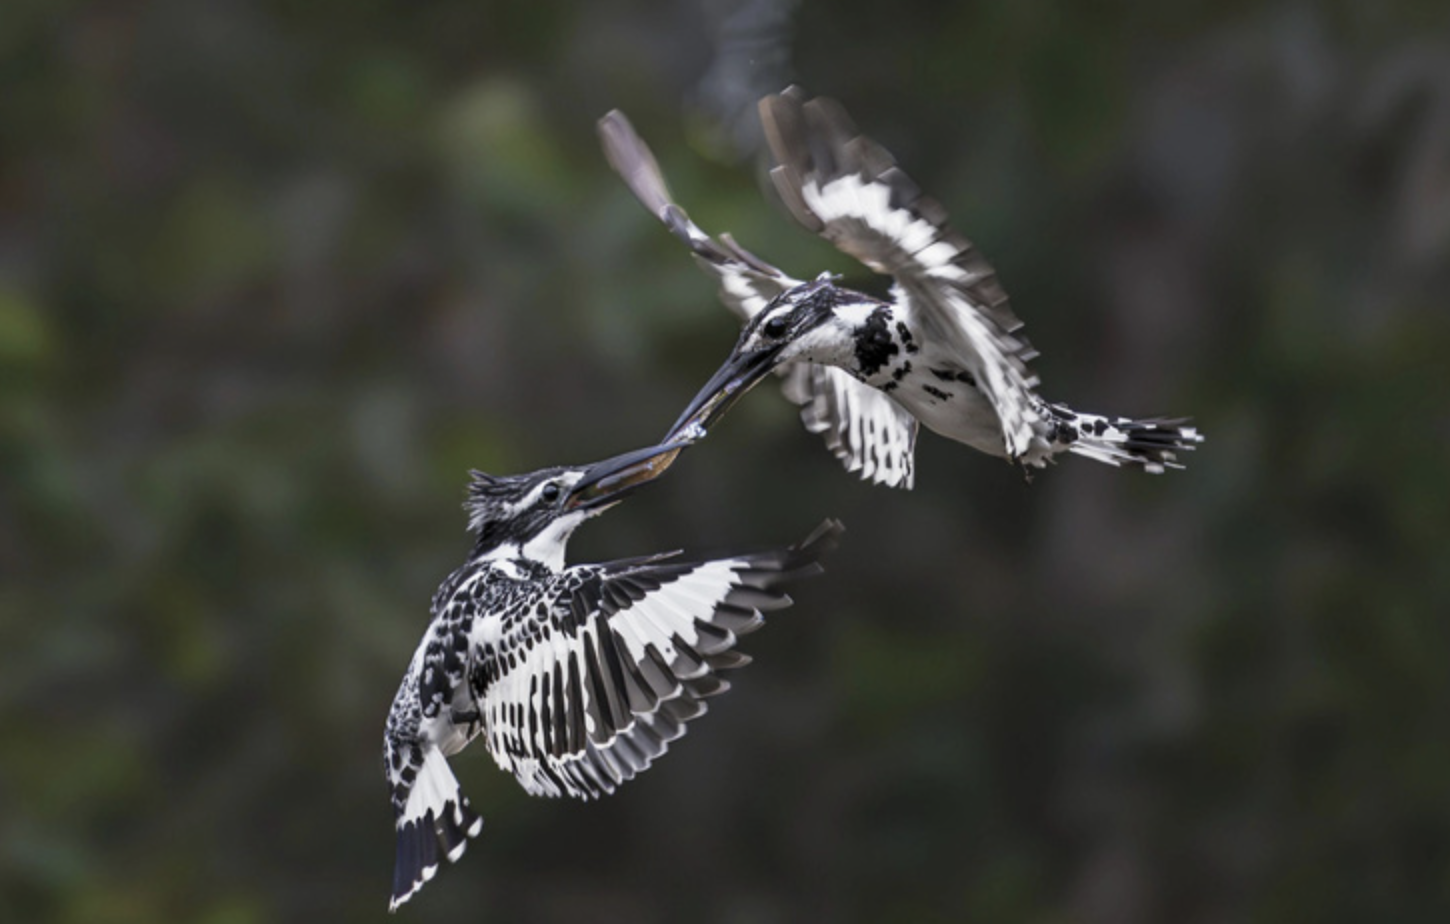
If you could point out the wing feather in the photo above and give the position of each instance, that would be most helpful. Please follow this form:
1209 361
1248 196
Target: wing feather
747 283
845 187
605 694
832 403
862 426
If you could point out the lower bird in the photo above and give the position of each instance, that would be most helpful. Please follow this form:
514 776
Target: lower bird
943 349
576 678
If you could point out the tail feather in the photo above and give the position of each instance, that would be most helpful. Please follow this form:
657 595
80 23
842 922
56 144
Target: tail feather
437 814
1152 444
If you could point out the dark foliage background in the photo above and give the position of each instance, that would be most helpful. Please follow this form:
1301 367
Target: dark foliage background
274 276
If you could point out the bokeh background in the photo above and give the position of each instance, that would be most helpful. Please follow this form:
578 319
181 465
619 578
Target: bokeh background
274 276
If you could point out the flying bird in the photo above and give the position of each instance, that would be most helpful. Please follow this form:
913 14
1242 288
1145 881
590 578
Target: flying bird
943 350
575 677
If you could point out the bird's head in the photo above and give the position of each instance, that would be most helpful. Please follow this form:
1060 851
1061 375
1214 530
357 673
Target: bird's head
533 515
816 321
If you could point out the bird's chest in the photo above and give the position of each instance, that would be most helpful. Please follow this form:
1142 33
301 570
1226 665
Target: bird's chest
938 390
517 618
477 612
894 357
878 347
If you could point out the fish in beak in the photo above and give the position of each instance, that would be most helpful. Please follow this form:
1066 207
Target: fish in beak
611 480
729 383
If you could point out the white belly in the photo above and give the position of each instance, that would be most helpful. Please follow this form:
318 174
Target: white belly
938 392
966 416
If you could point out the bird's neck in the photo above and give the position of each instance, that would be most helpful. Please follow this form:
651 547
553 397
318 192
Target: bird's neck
529 556
544 549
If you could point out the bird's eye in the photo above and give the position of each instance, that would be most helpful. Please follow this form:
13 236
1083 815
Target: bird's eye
551 492
776 326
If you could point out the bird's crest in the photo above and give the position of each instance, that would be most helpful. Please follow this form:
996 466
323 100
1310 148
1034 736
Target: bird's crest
488 495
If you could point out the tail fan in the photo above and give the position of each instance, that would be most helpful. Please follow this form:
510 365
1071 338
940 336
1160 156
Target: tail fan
437 815
1152 445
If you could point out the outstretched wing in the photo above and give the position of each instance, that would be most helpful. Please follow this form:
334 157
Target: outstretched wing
845 411
629 654
846 188
870 433
747 283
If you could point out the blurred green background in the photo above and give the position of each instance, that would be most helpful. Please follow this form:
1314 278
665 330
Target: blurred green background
274 276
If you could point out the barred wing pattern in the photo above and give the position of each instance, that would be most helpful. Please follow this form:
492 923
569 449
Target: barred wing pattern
846 188
870 433
587 707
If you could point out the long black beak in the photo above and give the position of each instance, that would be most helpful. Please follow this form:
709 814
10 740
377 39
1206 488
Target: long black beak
608 481
729 383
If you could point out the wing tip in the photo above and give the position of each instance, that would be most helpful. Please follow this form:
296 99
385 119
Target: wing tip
630 157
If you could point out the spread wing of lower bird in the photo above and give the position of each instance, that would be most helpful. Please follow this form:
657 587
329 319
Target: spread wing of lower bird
635 650
870 433
846 188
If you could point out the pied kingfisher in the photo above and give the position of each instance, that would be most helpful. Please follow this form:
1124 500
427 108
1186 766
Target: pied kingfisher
576 677
943 350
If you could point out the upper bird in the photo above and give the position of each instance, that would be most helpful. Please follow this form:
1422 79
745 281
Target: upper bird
942 350
576 677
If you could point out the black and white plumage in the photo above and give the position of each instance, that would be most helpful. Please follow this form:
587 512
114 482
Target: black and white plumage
576 678
944 349
867 431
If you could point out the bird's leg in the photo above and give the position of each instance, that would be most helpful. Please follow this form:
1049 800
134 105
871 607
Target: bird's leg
469 717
